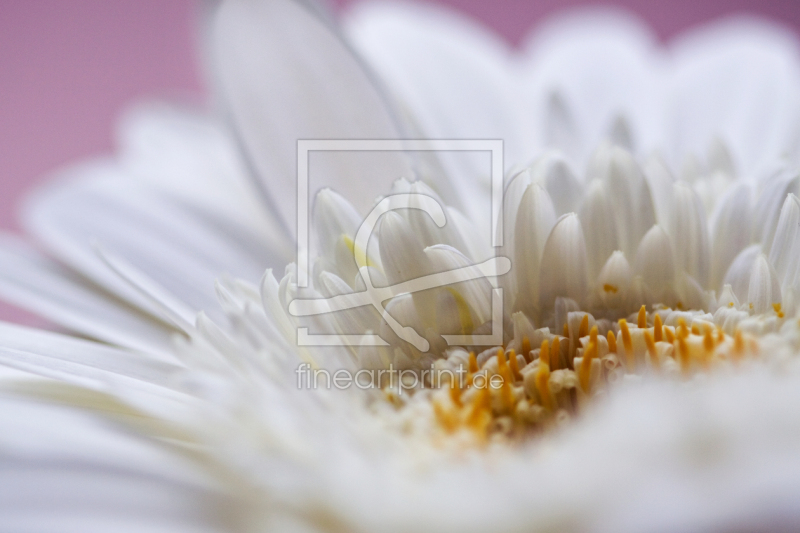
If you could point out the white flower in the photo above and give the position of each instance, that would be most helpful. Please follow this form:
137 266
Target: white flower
650 185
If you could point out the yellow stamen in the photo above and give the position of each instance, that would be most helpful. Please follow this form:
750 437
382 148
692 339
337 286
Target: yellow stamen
738 344
455 393
566 330
641 320
543 388
544 353
683 331
584 373
669 335
526 349
464 316
627 343
658 329
583 330
473 363
593 335
555 353
651 348
512 362
683 352
612 342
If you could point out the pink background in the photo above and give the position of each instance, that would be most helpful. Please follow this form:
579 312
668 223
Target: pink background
67 69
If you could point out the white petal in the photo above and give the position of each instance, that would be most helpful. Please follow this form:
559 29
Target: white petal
191 156
730 231
764 288
784 254
660 181
564 263
535 218
179 246
334 217
690 233
71 471
767 210
34 282
596 215
613 281
735 81
602 64
453 75
554 174
285 75
738 275
655 263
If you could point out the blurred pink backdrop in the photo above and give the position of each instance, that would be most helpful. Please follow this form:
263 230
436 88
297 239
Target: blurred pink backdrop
67 69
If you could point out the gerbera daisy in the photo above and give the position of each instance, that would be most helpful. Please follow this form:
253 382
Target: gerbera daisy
618 354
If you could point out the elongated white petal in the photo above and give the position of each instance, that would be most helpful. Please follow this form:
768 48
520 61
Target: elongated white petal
564 263
738 275
191 156
476 293
660 181
181 247
719 158
286 75
690 233
535 218
601 65
767 210
655 263
730 231
42 286
633 212
71 471
560 131
614 280
784 253
596 215
421 223
404 259
764 288
334 217
727 298
735 78
554 173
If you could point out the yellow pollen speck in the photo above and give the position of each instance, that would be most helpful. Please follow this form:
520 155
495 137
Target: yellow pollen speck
610 288
778 311
730 304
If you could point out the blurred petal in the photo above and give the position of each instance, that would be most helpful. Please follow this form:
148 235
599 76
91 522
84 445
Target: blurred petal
285 74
